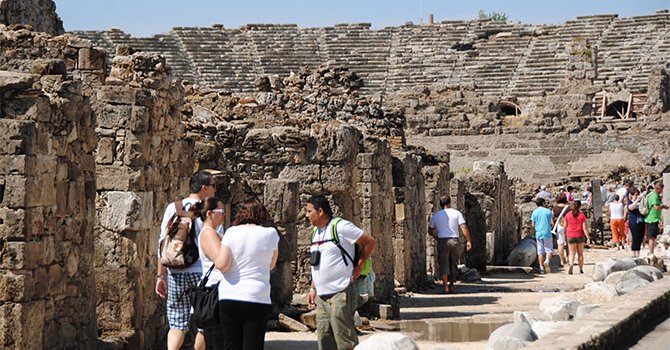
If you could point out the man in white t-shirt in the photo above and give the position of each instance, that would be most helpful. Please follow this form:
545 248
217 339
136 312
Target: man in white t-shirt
333 275
445 225
171 282
623 192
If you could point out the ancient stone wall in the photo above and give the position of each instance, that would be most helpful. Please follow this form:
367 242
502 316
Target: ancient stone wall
47 194
143 164
409 229
435 172
40 14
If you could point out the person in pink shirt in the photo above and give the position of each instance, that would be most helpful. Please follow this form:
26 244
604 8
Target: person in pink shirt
575 231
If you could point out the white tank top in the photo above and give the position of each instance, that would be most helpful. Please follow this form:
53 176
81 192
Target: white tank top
616 210
216 275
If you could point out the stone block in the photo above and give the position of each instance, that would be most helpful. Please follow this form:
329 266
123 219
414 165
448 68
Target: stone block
281 281
290 324
12 223
335 178
123 211
15 80
15 287
334 144
91 59
14 164
104 153
258 140
630 284
648 273
559 308
282 199
112 116
307 176
115 178
288 246
18 137
388 341
21 325
365 161
121 95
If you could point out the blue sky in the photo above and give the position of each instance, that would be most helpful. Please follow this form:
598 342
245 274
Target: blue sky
147 17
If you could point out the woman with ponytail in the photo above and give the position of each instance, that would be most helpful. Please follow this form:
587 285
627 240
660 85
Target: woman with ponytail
575 231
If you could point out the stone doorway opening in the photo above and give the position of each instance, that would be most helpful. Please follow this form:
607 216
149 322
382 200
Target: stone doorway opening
508 108
619 110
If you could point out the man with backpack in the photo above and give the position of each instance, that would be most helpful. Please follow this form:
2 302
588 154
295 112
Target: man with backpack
335 267
172 282
653 218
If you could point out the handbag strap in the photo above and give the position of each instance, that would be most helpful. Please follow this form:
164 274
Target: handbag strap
205 278
559 217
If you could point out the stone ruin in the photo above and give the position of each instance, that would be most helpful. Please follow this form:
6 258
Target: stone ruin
39 14
111 139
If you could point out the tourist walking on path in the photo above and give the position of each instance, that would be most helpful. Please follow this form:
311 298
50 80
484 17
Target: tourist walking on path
559 210
653 219
575 231
172 283
541 222
334 271
248 252
635 221
445 225
615 210
211 212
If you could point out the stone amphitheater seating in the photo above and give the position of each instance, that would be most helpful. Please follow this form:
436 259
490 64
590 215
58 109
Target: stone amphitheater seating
504 59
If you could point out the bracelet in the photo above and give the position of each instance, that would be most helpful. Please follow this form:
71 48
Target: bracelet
160 276
312 290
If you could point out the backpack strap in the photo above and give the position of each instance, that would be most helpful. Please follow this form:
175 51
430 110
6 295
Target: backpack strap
336 239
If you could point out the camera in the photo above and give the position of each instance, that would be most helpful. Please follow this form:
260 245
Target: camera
314 257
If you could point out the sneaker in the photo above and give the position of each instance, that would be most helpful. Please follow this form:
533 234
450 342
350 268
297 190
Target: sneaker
547 267
542 272
570 270
581 272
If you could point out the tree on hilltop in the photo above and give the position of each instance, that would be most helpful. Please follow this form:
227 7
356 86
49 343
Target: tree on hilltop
494 16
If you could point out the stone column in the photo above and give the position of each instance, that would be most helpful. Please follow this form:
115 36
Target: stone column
47 213
436 180
409 239
375 199
282 199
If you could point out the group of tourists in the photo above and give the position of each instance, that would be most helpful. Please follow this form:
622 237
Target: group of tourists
632 212
237 264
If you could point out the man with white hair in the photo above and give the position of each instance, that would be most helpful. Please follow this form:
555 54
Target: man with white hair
544 194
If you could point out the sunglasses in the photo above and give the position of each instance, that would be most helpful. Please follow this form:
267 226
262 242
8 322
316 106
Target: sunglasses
220 211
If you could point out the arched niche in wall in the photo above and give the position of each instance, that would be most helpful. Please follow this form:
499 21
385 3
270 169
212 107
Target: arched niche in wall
508 108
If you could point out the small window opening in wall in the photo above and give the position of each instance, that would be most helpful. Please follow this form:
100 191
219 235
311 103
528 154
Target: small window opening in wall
619 110
508 108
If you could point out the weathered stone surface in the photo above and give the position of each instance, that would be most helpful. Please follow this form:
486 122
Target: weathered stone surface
511 336
122 211
15 80
543 328
561 308
606 267
631 284
614 277
596 293
388 341
585 309
40 14
524 254
291 325
648 273
309 319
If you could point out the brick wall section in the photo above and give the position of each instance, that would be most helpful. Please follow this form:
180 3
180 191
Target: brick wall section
143 164
47 213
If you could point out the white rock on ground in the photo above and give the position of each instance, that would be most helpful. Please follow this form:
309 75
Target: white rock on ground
648 273
511 337
561 308
614 277
626 286
542 328
524 254
596 293
606 267
388 341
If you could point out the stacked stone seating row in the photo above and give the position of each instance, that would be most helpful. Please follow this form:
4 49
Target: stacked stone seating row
223 59
275 45
363 50
623 45
658 55
497 61
544 68
423 54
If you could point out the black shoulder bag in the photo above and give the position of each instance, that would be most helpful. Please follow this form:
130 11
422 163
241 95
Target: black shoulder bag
205 302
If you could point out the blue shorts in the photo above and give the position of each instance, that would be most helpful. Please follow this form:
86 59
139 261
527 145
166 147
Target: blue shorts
178 303
545 245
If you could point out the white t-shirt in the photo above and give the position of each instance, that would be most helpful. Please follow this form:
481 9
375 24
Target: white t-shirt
447 222
616 210
622 192
249 276
332 275
169 212
216 275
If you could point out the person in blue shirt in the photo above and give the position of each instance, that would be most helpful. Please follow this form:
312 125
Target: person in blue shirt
542 221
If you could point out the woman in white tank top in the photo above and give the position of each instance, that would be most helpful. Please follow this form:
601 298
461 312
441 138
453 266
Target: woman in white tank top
212 215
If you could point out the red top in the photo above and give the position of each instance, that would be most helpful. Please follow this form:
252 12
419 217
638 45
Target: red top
575 225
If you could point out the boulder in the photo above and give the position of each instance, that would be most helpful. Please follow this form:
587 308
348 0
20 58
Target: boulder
542 328
511 336
606 267
596 293
561 308
614 277
645 272
466 274
631 284
585 309
290 324
388 341
524 254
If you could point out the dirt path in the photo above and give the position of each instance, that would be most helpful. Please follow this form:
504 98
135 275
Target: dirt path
494 299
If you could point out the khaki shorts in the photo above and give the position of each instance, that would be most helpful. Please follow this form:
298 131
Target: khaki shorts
447 257
335 320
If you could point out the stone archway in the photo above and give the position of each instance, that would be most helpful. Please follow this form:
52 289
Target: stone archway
509 108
